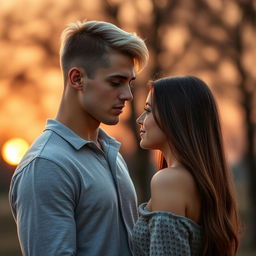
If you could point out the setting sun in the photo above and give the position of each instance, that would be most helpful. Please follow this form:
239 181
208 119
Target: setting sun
13 150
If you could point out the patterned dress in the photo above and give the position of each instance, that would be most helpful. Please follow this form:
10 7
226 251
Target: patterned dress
161 233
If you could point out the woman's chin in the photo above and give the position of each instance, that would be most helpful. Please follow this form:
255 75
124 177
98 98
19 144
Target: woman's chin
144 145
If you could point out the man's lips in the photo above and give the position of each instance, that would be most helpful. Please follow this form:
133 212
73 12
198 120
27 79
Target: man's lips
118 109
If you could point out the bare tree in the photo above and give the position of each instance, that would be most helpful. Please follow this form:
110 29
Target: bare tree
233 47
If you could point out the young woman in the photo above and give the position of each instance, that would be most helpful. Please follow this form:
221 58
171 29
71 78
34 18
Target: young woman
192 210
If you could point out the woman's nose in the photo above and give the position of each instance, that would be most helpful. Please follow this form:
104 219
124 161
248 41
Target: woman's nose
140 119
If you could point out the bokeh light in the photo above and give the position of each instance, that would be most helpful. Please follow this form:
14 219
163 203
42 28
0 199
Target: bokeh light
13 150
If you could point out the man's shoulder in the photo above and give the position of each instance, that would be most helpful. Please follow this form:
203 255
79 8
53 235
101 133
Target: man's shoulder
47 146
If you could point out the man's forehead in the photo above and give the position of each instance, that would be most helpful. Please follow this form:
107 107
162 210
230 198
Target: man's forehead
118 71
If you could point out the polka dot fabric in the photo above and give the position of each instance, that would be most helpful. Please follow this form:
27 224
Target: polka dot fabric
162 233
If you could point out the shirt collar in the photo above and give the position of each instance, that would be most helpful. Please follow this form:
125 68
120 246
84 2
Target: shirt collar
75 140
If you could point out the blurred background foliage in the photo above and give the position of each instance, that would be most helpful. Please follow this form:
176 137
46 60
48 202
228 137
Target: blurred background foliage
214 40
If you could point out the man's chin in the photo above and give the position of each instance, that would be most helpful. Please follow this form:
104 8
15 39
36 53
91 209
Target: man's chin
111 122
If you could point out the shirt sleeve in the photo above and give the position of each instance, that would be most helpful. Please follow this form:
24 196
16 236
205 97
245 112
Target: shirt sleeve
168 237
42 198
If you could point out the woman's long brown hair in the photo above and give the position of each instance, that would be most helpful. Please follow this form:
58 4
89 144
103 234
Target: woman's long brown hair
185 109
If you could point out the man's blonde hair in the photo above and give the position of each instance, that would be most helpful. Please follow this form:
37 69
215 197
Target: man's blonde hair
87 44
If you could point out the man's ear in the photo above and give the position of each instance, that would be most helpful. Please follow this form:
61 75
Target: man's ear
76 78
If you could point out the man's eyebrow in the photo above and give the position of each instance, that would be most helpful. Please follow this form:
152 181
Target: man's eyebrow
121 77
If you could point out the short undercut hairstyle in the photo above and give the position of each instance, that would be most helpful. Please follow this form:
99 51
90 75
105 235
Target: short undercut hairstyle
86 44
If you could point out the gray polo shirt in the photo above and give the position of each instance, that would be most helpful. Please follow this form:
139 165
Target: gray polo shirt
70 198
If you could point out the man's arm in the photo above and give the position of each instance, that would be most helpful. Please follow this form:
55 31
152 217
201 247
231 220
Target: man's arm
42 198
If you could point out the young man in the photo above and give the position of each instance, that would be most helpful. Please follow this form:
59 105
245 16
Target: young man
72 194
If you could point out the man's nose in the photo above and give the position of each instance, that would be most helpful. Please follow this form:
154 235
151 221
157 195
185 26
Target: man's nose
126 94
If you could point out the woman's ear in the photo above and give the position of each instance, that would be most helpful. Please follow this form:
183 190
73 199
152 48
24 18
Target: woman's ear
76 78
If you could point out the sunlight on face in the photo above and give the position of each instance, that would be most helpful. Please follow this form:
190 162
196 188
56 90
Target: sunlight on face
152 137
13 150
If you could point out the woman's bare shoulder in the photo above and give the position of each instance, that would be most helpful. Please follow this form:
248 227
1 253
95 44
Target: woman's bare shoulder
172 177
170 190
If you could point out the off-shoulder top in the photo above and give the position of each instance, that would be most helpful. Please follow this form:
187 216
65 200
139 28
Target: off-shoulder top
161 233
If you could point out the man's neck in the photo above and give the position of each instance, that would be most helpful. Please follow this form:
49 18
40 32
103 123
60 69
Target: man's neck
86 130
73 116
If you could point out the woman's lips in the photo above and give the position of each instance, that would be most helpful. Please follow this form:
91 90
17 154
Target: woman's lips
142 132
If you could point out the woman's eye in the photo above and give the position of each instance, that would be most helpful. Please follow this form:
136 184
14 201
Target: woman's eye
131 84
147 110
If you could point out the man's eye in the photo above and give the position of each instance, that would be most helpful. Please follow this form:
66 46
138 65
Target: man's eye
113 83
